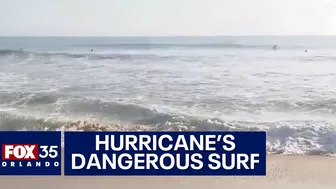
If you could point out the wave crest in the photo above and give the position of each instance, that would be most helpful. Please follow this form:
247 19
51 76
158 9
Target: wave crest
288 137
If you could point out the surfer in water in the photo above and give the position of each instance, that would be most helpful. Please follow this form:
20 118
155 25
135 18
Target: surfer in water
275 47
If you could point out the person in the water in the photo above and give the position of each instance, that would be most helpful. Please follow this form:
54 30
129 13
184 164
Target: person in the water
275 47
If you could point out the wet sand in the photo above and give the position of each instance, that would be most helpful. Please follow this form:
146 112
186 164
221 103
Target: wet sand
308 172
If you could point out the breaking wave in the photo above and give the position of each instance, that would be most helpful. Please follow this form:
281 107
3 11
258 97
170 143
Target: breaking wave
43 112
288 138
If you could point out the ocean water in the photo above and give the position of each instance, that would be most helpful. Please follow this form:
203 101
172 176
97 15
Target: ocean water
211 83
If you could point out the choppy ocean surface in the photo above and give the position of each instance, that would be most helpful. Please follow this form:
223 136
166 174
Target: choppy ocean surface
211 83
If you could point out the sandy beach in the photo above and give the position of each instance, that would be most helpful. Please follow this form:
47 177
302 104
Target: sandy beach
282 172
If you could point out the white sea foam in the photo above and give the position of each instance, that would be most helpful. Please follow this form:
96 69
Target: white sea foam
190 84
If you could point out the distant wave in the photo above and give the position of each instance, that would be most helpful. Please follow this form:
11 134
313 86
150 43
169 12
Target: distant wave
74 55
176 45
265 46
117 56
92 56
4 52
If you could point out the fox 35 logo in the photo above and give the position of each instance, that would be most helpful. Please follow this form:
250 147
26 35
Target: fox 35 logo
29 155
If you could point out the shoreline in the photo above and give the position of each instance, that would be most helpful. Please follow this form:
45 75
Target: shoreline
282 172
88 125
